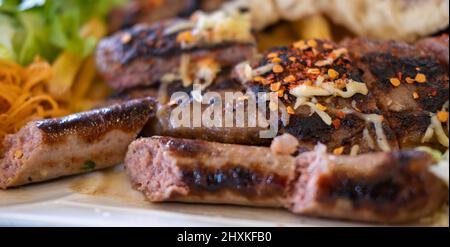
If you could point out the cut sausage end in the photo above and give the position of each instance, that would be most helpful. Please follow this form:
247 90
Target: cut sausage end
382 188
151 173
80 143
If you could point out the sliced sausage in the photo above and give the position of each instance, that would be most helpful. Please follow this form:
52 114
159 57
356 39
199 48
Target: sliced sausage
49 149
168 169
389 187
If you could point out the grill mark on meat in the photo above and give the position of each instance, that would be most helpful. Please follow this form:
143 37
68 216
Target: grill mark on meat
404 122
433 93
250 181
147 42
401 188
149 54
220 173
92 126
181 147
380 61
382 187
75 144
309 129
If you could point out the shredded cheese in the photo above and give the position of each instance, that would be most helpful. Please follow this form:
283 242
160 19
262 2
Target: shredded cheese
179 27
368 139
377 121
322 114
355 150
329 89
217 27
305 92
435 129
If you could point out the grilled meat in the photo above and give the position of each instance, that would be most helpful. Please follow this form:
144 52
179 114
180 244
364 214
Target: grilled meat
145 54
347 99
437 47
162 125
49 149
325 93
150 11
383 187
198 171
410 85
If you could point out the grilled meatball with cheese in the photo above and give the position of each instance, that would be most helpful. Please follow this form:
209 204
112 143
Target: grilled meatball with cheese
175 49
326 98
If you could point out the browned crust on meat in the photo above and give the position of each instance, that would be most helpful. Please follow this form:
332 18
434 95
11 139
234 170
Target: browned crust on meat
437 47
251 181
148 54
198 171
184 147
147 41
310 129
391 58
384 188
91 126
49 149
144 11
381 61
394 187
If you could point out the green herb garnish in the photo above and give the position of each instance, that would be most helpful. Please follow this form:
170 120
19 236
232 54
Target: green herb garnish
89 165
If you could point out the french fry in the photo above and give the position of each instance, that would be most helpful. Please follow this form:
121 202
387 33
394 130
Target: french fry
65 69
84 79
279 35
312 27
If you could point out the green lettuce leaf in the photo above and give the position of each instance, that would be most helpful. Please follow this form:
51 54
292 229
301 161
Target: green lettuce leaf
46 28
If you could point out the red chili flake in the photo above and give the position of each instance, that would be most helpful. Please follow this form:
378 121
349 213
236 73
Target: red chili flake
400 76
434 92
337 123
341 114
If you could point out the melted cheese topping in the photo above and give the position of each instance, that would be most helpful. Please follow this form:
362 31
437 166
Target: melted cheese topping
322 114
329 89
202 72
377 121
368 139
355 150
245 72
184 70
217 27
322 89
436 129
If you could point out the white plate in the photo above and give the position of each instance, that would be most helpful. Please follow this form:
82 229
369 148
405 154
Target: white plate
107 199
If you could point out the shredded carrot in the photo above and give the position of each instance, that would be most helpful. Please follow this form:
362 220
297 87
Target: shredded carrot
23 95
